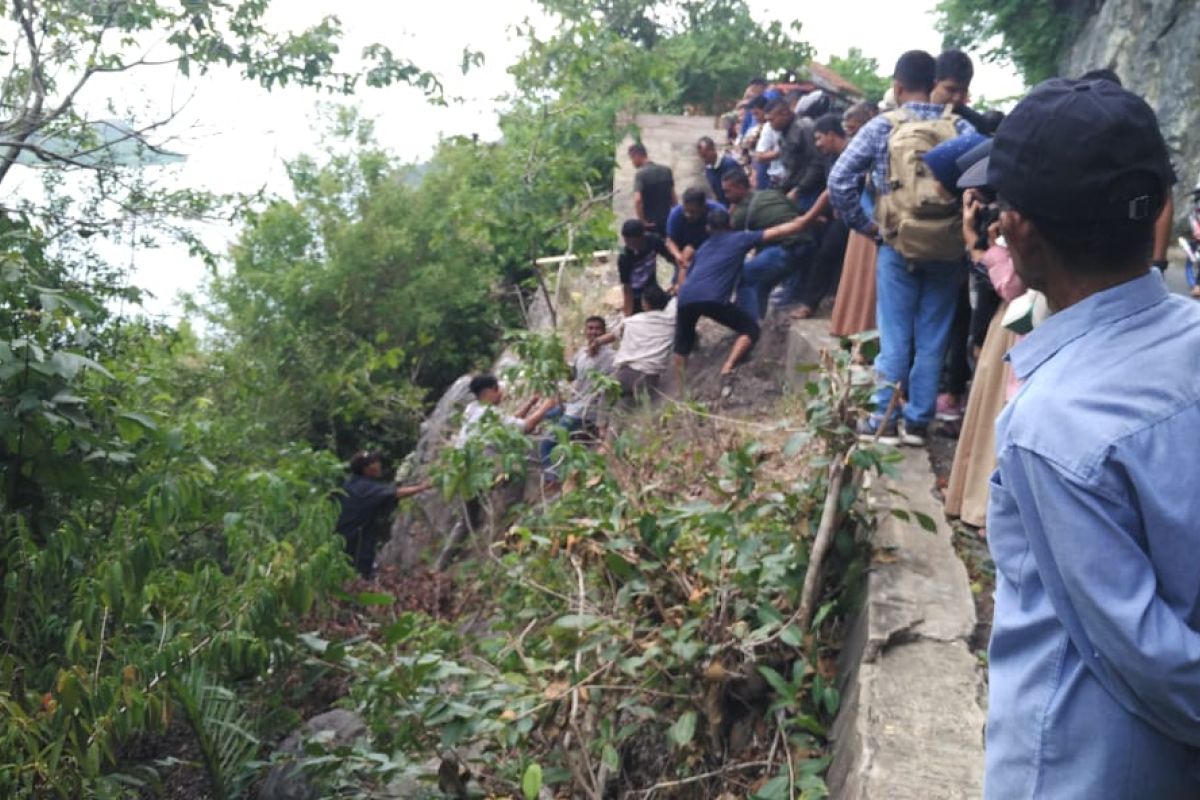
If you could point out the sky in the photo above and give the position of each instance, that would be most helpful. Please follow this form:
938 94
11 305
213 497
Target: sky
237 135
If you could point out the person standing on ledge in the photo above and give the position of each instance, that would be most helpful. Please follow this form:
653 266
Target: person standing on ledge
653 190
1094 664
366 501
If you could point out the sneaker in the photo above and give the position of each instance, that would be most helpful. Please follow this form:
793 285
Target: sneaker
869 433
949 409
914 435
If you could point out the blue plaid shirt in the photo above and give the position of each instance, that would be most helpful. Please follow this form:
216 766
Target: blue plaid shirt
868 152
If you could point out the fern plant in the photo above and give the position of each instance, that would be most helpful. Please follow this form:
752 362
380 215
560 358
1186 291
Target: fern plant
221 729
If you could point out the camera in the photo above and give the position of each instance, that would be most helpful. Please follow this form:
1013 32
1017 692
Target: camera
984 217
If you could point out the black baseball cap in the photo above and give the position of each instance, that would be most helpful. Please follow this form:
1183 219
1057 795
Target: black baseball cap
1073 151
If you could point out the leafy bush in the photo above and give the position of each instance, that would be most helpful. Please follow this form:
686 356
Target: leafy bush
639 629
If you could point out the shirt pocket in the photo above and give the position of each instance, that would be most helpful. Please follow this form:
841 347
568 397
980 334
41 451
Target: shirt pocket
1006 536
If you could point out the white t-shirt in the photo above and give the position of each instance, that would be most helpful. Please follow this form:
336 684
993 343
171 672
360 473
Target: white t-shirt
768 141
585 403
646 341
474 413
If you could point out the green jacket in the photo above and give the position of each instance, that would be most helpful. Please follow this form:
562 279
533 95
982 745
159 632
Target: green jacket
767 208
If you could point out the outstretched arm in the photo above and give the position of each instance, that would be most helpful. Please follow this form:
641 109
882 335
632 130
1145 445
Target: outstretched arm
410 491
787 229
534 419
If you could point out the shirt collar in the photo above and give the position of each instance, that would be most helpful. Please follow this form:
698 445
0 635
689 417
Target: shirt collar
924 108
1064 327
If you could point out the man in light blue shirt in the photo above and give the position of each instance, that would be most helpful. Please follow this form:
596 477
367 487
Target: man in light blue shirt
1094 516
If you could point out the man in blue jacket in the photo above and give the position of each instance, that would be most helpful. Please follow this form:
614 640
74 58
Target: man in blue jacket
1094 665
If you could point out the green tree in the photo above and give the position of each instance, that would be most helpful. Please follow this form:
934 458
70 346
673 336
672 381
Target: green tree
151 556
353 305
1033 34
863 72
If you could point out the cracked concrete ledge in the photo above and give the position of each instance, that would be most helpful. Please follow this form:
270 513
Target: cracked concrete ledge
912 717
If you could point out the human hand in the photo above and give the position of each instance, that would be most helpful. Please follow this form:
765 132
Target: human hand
970 209
994 233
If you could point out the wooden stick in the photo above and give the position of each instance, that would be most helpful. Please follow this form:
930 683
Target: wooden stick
821 544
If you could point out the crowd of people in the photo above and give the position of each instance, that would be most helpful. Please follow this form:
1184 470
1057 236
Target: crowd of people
1012 268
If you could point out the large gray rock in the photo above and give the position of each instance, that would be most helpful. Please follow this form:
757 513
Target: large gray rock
286 781
1152 44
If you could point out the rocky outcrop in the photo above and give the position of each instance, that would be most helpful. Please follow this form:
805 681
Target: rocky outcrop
1152 44
333 729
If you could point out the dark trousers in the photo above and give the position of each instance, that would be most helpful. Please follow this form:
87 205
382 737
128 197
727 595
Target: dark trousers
636 385
727 314
360 546
958 366
825 270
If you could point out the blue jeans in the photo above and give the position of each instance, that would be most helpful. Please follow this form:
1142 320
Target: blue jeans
760 274
915 308
550 440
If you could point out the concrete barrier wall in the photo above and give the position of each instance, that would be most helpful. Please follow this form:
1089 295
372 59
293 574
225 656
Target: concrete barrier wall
671 141
913 694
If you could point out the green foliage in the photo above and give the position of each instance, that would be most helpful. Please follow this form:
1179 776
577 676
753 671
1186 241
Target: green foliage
221 730
665 55
142 538
1033 34
348 307
863 72
623 617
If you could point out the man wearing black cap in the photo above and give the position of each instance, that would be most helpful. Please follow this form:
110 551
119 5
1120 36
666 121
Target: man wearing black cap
1094 665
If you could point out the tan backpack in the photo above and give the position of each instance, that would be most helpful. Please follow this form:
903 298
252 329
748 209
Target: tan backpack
917 216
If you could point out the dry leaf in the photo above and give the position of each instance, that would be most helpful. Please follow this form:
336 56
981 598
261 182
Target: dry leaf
556 689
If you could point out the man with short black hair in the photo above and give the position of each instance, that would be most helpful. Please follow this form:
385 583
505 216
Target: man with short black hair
479 412
776 260
366 501
821 278
754 91
646 340
1094 663
687 228
716 164
916 296
637 265
582 411
488 397
707 291
952 79
858 115
804 174
653 190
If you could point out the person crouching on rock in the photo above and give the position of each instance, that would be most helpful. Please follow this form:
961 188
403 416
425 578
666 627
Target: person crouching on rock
366 502
488 396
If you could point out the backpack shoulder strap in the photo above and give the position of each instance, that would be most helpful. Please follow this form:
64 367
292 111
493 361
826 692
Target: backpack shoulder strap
898 116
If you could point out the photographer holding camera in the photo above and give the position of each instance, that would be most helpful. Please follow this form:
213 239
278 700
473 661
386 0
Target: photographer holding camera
993 385
1094 663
